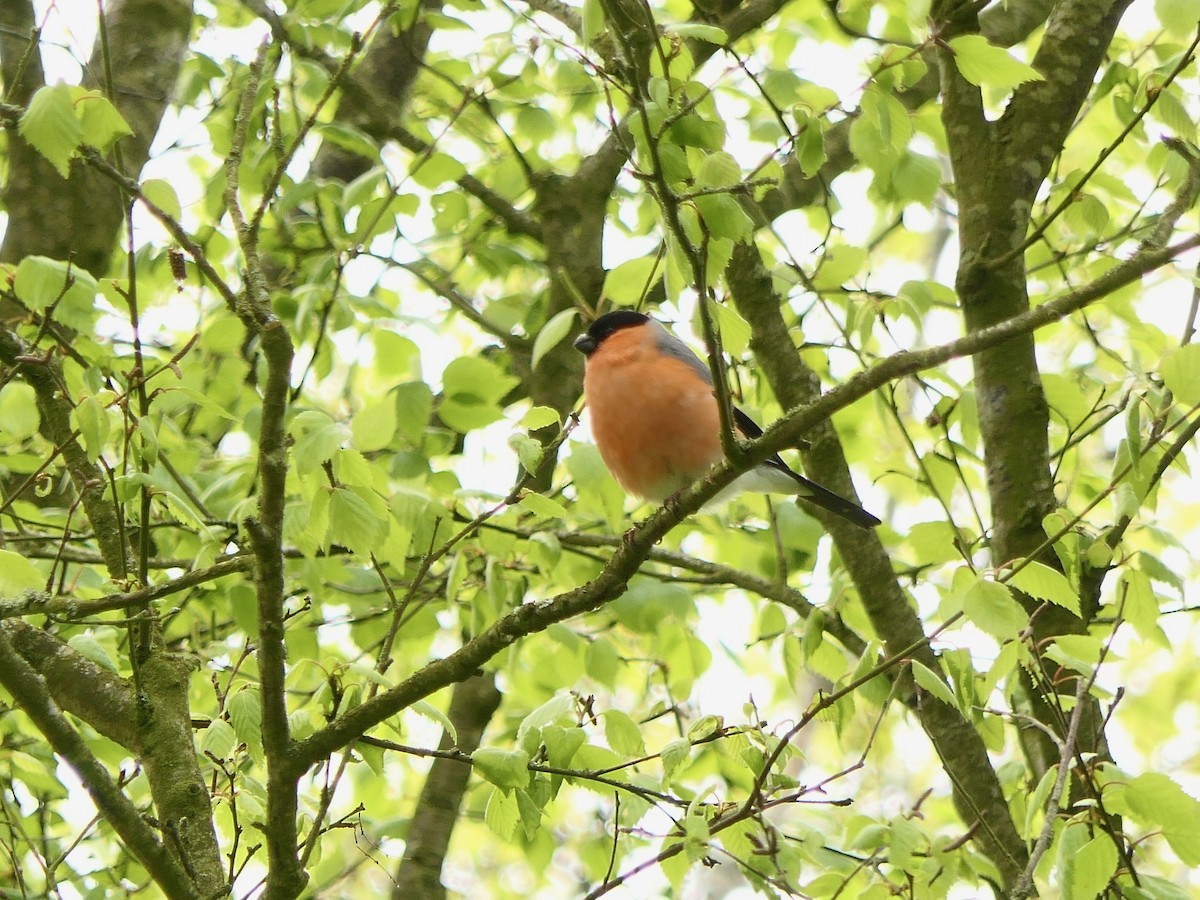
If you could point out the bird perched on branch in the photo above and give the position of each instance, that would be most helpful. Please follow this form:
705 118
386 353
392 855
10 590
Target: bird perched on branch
655 419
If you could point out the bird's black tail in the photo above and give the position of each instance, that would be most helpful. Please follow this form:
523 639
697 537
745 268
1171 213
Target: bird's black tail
835 503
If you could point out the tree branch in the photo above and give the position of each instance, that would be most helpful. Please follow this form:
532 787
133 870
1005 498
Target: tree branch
30 692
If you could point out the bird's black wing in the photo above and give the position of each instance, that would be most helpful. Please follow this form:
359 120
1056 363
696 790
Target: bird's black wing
809 490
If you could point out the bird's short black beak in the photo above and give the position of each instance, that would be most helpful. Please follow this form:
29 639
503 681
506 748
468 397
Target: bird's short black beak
585 344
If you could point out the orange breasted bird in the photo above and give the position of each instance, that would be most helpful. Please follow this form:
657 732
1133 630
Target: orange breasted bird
655 420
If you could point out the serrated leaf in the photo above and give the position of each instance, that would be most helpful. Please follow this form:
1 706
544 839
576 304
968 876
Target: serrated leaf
556 708
622 733
431 712
1140 606
218 739
1087 869
987 66
1154 798
205 402
530 812
18 575
149 439
990 606
92 420
1178 16
318 438
19 417
501 814
435 169
473 387
735 331
562 744
628 283
542 506
552 333
1080 652
41 282
99 119
162 194
593 20
540 417
373 427
51 126
1180 370
724 217
672 755
86 645
353 523
699 32
1044 583
718 170
929 680
530 451
245 715
505 769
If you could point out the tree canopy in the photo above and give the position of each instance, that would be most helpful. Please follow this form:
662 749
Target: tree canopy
312 583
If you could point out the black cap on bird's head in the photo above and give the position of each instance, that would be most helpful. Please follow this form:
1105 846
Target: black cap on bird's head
606 325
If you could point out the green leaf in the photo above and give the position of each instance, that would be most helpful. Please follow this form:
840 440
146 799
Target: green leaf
622 733
982 64
162 194
718 170
674 754
529 451
929 680
562 744
735 331
245 714
51 126
502 814
1153 798
1140 607
700 32
435 169
414 406
101 122
353 523
593 20
628 283
1086 865
1044 583
1180 370
91 418
1036 803
427 710
504 768
991 607
556 709
933 542
218 739
318 438
1178 17
724 216
542 506
540 417
530 812
552 334
18 575
41 282
19 417
1080 652
373 427
87 646
473 387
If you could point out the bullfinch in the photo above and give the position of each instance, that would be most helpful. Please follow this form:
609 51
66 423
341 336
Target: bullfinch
655 421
